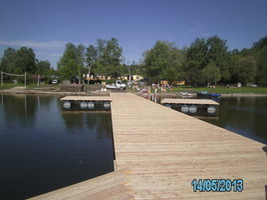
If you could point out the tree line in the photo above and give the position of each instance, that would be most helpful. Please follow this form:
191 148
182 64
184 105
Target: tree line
204 62
23 60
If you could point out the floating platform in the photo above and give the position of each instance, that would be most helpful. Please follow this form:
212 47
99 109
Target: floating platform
190 101
86 98
86 102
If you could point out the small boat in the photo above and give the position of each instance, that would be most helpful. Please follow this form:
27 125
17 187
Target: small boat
188 94
207 94
203 93
215 95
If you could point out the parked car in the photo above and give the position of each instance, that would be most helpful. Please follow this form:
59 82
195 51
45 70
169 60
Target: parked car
54 81
117 85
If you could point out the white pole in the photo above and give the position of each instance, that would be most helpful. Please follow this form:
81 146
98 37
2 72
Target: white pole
38 82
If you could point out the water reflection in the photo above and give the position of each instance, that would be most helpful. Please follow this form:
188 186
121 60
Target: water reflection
16 109
73 120
79 120
102 123
43 148
244 115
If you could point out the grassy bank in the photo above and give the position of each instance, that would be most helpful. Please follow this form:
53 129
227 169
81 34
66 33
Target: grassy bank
29 86
219 90
225 90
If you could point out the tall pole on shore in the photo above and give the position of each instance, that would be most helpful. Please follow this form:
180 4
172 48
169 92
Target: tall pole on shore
2 83
25 79
38 81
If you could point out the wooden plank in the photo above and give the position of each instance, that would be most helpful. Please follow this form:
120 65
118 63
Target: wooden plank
190 101
86 98
103 187
167 149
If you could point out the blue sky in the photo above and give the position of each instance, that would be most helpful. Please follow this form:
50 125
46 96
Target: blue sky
47 25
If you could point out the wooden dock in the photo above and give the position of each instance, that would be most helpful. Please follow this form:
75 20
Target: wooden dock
86 98
165 150
190 101
111 186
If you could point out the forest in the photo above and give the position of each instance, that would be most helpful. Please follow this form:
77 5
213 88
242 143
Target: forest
204 62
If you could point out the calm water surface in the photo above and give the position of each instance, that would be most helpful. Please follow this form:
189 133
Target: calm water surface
43 148
244 115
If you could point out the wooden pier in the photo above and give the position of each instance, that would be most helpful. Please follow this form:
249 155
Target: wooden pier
165 150
86 98
111 186
190 101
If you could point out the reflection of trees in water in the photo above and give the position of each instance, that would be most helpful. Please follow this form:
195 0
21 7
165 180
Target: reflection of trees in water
102 123
73 120
19 109
247 115
45 101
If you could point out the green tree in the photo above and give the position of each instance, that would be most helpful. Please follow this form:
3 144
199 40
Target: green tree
196 54
105 58
259 51
163 62
43 67
195 61
25 61
7 62
261 58
91 58
68 65
235 56
261 43
80 59
217 53
203 52
69 70
195 77
245 70
211 73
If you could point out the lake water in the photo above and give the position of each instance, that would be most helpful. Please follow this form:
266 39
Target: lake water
43 148
246 116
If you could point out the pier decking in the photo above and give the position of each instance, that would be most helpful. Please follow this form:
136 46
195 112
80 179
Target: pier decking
190 101
111 186
165 150
86 98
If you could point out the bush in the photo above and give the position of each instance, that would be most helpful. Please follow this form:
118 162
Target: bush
72 87
90 88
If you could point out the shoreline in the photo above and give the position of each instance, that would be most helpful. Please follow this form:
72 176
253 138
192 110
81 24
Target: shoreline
101 93
42 92
175 95
243 95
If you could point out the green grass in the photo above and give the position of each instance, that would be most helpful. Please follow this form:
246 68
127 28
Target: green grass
9 86
224 90
30 86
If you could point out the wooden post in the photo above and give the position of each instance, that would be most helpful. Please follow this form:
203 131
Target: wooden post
38 82
2 83
25 79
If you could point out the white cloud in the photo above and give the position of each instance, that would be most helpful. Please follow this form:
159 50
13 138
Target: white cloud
48 54
195 29
36 44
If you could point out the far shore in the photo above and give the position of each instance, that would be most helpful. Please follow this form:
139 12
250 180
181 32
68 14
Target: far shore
60 93
21 90
244 95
